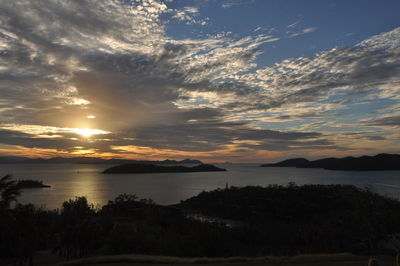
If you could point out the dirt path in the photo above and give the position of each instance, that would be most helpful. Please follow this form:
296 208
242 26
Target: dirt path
313 260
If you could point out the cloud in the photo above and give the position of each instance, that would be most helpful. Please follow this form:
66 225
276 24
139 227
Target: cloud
387 120
293 25
232 3
189 14
111 66
309 30
292 34
356 70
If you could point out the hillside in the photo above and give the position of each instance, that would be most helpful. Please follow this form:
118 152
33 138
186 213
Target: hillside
304 219
378 162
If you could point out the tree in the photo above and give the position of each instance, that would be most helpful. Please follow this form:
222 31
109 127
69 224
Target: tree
9 191
17 227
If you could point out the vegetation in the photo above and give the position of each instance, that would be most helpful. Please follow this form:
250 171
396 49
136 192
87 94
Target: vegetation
276 220
9 191
305 219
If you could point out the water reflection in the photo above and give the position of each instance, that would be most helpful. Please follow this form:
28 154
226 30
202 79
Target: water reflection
86 184
70 180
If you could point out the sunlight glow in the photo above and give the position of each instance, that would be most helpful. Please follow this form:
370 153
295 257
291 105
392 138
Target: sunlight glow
79 101
52 132
86 132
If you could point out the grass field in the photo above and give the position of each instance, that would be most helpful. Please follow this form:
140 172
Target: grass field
315 260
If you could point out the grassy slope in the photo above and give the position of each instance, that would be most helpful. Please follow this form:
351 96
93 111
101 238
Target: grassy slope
303 260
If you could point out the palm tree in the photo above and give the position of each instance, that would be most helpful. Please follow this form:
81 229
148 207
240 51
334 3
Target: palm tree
9 191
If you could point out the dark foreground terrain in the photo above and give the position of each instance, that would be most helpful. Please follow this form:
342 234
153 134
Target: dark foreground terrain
272 221
342 259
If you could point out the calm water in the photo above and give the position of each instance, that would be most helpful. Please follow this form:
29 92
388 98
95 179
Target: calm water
70 180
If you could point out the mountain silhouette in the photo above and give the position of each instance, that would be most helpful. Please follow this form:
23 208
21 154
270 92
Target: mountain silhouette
89 160
378 162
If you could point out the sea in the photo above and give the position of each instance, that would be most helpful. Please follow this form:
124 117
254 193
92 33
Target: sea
68 181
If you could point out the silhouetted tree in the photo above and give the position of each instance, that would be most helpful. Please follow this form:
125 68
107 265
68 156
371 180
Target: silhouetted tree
17 230
9 191
81 234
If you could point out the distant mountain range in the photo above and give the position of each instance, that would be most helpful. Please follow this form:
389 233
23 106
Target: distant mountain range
378 162
89 160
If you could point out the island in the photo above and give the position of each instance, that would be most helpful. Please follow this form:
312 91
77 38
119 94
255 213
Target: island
29 183
296 162
378 162
152 168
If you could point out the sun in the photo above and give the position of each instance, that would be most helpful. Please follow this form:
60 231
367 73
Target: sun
86 132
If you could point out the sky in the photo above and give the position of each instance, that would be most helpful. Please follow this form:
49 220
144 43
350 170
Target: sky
216 80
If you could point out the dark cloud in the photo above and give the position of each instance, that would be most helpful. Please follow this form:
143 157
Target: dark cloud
365 135
383 121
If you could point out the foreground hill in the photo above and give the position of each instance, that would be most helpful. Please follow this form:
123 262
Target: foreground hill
152 168
276 220
364 163
292 203
304 219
